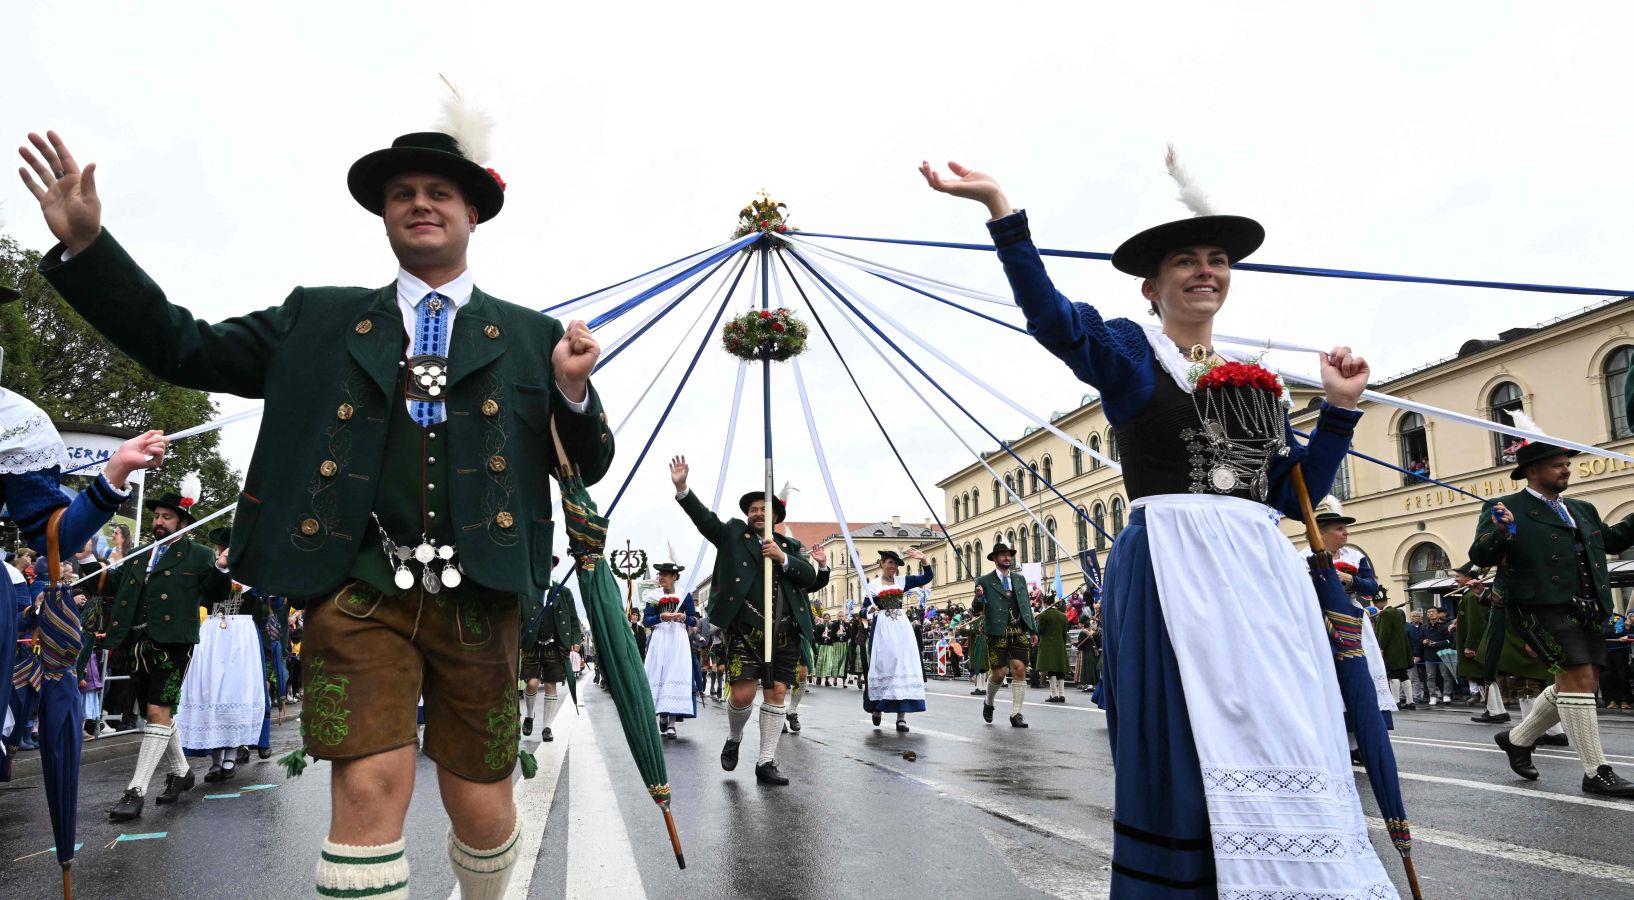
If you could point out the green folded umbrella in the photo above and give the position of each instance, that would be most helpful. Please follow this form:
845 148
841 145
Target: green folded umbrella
616 650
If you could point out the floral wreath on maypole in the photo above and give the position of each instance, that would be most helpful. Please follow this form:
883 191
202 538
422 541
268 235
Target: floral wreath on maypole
764 215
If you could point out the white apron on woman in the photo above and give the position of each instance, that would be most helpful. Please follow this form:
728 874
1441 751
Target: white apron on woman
896 672
223 698
669 662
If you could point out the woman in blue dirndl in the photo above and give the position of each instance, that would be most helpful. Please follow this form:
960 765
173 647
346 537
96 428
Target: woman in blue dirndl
1227 729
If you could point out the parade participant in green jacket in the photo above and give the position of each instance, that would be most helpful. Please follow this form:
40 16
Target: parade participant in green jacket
1001 597
1390 627
1052 649
735 606
1552 582
400 486
547 636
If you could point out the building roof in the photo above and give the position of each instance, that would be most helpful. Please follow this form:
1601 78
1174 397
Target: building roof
906 530
810 534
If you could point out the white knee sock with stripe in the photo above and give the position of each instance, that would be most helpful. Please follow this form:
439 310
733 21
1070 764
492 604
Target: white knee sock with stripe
993 685
553 703
771 730
1494 700
484 874
533 701
174 757
1018 694
155 739
377 873
736 718
1542 716
1578 714
795 693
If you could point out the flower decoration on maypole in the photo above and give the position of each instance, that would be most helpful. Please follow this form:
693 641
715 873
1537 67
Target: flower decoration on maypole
777 329
764 215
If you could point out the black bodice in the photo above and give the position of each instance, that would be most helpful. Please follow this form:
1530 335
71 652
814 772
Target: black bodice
1156 457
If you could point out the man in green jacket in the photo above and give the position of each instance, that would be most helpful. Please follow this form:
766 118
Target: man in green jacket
735 605
1390 627
400 486
153 620
1052 649
1001 598
548 633
1553 585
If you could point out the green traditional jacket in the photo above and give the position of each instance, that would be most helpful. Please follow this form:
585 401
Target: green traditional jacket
1472 620
559 624
975 630
736 590
997 602
1391 630
1537 566
1513 660
184 579
1052 641
328 362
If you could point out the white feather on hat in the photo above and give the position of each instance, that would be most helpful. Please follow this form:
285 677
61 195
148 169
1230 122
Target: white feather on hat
470 127
784 492
673 557
1333 503
1524 421
191 489
1190 193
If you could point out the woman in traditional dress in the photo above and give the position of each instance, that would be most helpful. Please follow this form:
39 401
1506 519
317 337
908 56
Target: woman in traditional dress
224 700
669 649
1227 727
896 666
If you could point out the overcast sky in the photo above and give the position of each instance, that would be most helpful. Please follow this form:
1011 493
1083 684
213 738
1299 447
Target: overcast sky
1470 140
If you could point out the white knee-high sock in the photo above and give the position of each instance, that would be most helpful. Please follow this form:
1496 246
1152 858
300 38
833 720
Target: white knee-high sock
378 873
553 703
1543 715
736 718
175 759
1018 693
795 693
533 701
1577 713
1494 700
1395 690
771 730
155 740
484 874
993 685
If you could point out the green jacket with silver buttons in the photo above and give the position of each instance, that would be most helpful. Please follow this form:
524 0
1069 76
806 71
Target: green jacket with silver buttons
184 579
328 362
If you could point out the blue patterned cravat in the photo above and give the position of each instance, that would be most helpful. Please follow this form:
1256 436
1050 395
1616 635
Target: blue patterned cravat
1560 510
430 339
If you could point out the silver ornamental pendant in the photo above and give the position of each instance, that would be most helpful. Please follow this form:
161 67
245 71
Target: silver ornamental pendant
428 579
430 378
1262 487
404 579
445 552
425 553
1223 479
452 577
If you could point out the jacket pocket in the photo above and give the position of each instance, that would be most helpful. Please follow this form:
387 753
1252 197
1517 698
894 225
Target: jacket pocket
533 406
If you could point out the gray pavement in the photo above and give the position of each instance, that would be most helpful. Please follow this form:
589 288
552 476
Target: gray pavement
983 810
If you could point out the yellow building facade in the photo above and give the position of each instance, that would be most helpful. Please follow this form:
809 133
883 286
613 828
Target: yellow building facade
1567 374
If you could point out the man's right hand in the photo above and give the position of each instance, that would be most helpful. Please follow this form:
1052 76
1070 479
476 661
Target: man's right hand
67 196
678 470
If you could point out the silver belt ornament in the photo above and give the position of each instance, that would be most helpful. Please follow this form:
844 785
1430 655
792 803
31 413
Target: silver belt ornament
427 552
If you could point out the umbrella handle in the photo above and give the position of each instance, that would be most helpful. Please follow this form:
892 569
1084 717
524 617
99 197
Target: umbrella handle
561 451
1313 535
674 838
1412 877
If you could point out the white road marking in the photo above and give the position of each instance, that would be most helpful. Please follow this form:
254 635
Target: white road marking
1048 873
1003 702
1624 806
943 735
1558 862
1449 743
600 860
534 797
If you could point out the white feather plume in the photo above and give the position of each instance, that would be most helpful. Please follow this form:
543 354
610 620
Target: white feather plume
784 492
1332 502
190 488
1524 421
470 126
672 555
1190 193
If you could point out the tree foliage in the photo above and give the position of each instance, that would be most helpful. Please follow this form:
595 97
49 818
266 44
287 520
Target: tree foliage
56 359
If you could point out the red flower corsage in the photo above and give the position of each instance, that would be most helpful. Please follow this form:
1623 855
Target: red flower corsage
889 594
1236 374
1346 568
498 179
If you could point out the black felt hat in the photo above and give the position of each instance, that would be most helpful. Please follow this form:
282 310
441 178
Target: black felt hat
425 151
779 510
1469 569
1329 517
172 500
1140 256
1535 451
1000 548
221 537
668 567
890 554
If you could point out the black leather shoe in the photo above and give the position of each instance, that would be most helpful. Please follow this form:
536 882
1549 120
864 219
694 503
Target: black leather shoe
766 773
228 773
1408 706
901 726
527 726
545 735
175 786
1490 719
1555 740
1607 783
264 752
793 721
977 692
987 713
128 807
213 775
1520 758
1016 721
876 719
243 756
729 757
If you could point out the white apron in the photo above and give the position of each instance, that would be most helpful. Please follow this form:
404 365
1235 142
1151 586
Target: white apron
223 696
896 670
669 665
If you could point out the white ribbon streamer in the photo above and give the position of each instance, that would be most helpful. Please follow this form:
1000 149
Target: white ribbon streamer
148 547
822 466
214 424
720 479
635 286
679 342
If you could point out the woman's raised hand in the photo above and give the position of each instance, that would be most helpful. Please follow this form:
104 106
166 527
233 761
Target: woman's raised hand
970 184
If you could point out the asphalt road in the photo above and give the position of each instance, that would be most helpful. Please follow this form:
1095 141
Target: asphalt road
983 810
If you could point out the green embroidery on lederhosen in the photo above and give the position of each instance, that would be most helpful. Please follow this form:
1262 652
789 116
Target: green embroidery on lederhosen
171 695
502 733
325 714
1533 632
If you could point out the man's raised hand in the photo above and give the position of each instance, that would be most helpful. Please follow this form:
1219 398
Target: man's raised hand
67 196
678 470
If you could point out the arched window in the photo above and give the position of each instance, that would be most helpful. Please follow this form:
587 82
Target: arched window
1112 445
997 500
956 505
1010 539
1009 487
1032 470
1425 562
1083 529
1504 400
1414 444
975 507
1615 368
970 559
1049 471
1117 516
1049 545
1021 537
1341 481
1077 460
1100 526
977 558
1095 445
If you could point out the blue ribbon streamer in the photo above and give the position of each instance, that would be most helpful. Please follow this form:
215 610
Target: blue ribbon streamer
656 319
1374 459
672 281
1311 271
550 309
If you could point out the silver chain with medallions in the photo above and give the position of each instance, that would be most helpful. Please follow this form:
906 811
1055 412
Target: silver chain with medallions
427 552
1222 463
